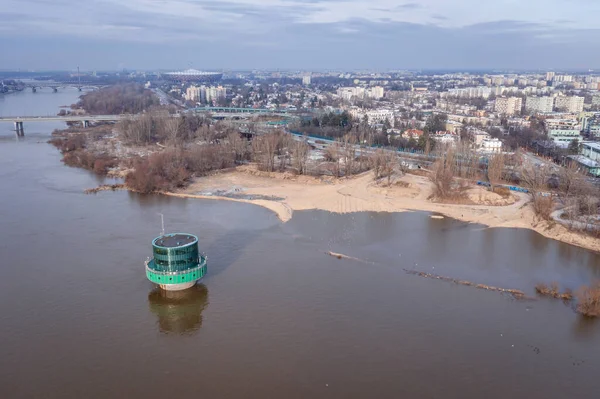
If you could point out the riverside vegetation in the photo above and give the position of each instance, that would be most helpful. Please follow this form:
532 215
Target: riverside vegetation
587 296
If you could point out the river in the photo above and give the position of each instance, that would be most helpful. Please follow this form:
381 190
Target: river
276 317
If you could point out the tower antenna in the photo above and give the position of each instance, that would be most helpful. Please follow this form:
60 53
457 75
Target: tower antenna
162 224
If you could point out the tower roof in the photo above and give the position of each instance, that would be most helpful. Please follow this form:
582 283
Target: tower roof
174 240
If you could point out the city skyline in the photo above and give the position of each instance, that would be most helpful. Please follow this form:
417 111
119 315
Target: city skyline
300 34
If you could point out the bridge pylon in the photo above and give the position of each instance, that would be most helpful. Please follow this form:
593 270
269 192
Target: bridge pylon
19 129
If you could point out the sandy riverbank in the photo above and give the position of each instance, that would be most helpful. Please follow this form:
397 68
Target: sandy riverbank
360 194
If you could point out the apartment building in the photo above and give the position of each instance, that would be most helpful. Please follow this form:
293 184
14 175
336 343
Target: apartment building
376 92
539 104
380 116
508 105
348 93
205 94
491 145
569 104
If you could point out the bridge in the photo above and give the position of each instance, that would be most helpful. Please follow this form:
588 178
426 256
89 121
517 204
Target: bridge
56 85
83 119
230 110
240 115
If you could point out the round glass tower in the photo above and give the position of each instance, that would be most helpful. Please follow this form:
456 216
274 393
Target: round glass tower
177 264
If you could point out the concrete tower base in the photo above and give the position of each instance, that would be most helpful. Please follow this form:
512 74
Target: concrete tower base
177 287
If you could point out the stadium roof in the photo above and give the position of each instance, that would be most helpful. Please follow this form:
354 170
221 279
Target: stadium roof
192 72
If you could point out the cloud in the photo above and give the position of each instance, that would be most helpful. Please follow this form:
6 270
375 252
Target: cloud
409 6
231 25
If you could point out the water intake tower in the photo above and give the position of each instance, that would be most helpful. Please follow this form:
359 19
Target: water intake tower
177 263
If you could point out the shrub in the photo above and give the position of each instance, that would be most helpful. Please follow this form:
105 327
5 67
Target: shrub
170 170
588 300
502 191
543 206
103 164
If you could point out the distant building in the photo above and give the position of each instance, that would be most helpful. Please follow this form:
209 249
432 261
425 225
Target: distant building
376 92
491 145
194 93
563 78
550 75
539 104
306 80
446 137
591 151
205 94
508 105
215 93
562 124
193 75
478 136
349 93
413 134
587 165
565 135
380 116
569 104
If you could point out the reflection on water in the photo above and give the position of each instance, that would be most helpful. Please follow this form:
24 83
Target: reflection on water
586 328
179 312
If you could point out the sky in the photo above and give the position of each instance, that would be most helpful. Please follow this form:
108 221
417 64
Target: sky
299 34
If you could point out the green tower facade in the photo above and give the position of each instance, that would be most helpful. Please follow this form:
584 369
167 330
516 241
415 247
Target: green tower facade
177 263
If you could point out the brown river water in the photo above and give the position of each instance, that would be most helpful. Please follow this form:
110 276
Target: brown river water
276 317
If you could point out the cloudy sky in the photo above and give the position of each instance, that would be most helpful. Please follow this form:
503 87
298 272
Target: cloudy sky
300 34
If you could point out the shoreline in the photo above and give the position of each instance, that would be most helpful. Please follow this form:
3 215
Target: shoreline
361 194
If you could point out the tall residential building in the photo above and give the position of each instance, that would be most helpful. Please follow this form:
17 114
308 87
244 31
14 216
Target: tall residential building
563 78
205 94
498 80
569 104
348 92
539 104
215 93
375 92
550 75
508 105
194 93
306 80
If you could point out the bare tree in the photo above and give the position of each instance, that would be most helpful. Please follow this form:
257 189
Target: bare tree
383 163
333 154
570 181
495 169
264 149
172 129
349 154
535 179
442 175
300 152
238 146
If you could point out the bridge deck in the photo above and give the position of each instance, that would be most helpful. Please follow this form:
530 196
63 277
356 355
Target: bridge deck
66 118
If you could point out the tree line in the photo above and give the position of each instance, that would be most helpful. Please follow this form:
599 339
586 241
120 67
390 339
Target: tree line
130 98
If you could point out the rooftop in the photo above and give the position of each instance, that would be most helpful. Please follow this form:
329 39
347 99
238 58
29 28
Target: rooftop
585 161
193 72
174 240
594 146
